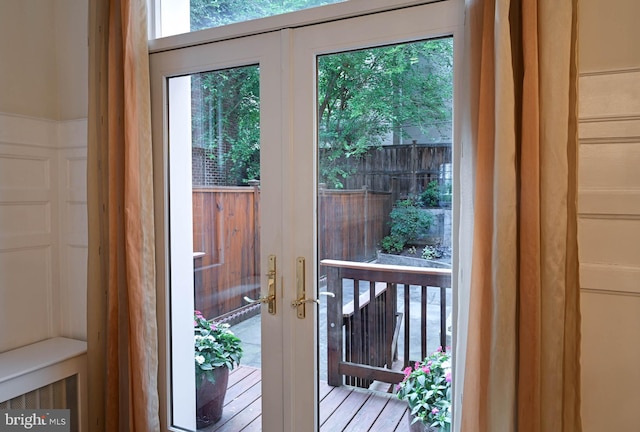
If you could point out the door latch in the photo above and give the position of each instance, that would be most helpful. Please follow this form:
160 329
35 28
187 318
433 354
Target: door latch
270 299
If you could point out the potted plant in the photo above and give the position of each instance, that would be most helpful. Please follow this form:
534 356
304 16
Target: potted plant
427 389
217 351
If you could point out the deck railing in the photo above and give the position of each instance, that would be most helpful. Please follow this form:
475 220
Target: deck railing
362 335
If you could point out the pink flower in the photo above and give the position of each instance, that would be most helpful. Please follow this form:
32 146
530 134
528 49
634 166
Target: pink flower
417 365
407 371
426 370
435 411
439 349
448 377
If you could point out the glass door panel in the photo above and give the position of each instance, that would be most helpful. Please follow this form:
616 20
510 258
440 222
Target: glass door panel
384 203
382 213
223 184
215 142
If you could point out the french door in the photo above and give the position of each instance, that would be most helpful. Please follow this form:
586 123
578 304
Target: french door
238 173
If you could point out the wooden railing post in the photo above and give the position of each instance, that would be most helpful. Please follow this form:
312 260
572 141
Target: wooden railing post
370 346
334 326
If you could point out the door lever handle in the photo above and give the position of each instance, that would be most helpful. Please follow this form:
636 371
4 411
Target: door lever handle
270 299
303 300
301 291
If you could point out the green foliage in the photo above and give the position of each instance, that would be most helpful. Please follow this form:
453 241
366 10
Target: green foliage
226 114
427 389
431 252
215 346
430 197
215 13
363 96
407 220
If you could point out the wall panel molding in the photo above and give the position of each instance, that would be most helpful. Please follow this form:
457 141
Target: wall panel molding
42 222
612 94
609 202
609 72
28 131
73 246
609 242
610 279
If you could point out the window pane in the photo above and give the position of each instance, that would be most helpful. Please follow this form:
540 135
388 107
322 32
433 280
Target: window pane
214 119
203 14
384 223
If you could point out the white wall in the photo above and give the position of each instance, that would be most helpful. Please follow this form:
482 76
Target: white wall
609 213
43 47
43 109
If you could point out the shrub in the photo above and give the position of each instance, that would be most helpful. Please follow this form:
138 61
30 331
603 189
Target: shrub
407 220
430 197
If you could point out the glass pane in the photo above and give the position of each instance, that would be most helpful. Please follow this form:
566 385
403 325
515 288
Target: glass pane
182 17
384 205
218 113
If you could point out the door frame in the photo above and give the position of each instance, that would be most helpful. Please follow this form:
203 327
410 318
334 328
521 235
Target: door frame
263 50
409 24
290 139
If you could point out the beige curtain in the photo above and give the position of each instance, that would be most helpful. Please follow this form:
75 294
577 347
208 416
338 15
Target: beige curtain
522 354
122 335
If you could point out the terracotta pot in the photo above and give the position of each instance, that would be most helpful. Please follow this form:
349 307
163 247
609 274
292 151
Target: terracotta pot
210 397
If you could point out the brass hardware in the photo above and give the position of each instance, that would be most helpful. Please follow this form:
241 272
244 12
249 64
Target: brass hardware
301 292
300 289
270 299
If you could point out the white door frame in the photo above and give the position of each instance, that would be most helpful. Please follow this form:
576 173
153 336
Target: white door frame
172 179
287 61
397 26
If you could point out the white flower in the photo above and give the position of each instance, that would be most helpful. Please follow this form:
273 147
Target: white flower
200 359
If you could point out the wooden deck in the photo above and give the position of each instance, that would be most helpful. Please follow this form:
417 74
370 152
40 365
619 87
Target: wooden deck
341 408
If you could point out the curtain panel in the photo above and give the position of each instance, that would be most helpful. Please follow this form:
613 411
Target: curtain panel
522 368
121 309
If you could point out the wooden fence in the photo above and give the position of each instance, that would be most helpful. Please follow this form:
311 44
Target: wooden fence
411 166
352 223
226 239
226 246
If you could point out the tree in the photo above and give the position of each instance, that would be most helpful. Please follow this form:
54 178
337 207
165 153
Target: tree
215 13
226 121
363 96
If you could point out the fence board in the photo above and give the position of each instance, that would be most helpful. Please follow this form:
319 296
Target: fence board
224 231
413 166
357 221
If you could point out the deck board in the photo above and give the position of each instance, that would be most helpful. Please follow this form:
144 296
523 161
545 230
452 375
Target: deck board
344 408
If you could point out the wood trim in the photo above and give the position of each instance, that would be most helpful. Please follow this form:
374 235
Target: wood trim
611 279
372 373
609 202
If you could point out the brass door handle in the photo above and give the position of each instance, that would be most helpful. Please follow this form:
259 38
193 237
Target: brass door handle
301 290
270 299
306 300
